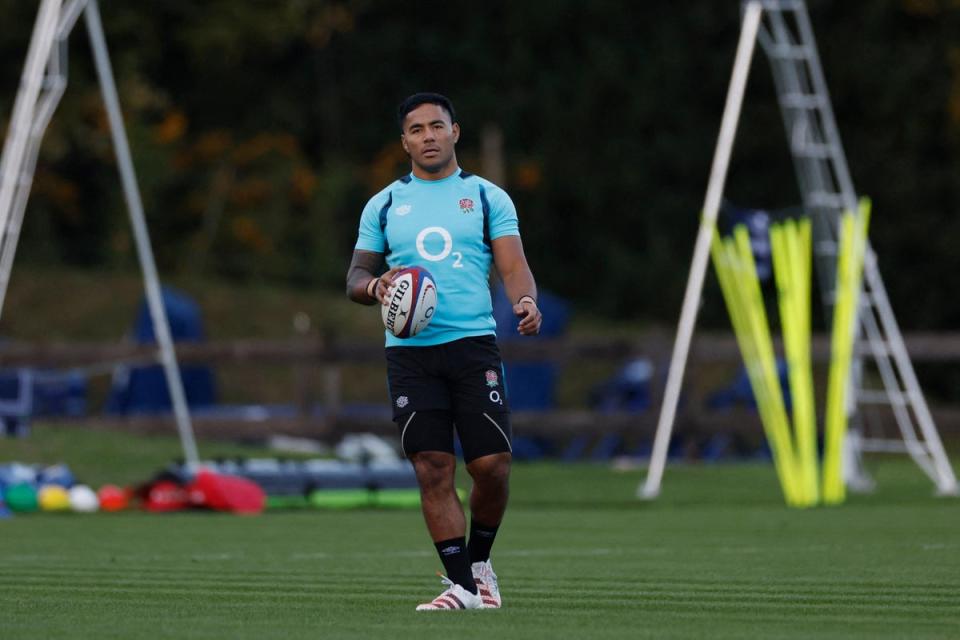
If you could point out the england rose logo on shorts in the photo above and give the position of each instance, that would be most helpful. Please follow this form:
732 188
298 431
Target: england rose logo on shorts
466 205
492 378
402 401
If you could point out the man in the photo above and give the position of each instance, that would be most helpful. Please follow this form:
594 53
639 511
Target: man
449 376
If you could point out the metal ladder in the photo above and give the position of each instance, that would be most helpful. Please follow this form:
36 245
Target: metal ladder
42 85
824 179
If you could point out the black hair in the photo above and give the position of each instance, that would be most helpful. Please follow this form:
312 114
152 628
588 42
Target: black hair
418 99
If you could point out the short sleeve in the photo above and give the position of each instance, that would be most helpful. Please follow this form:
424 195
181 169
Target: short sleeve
370 236
503 214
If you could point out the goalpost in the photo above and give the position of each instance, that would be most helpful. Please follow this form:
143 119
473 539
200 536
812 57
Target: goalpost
827 190
42 84
701 251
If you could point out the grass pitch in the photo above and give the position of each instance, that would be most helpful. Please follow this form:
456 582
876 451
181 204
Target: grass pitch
718 556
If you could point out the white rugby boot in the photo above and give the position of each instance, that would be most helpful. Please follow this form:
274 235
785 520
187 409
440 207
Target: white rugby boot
487 585
454 598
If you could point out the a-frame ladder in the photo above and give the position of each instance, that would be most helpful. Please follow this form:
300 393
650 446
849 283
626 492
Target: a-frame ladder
42 85
784 31
787 38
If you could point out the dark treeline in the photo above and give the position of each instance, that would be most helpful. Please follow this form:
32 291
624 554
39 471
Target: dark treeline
260 129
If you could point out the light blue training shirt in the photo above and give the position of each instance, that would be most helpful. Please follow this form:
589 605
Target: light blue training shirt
444 226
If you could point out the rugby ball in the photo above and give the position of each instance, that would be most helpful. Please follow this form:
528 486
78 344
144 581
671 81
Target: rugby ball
411 304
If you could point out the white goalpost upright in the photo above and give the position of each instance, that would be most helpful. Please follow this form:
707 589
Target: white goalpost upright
43 83
784 30
701 251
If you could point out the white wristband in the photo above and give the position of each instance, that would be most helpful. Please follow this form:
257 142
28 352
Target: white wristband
372 291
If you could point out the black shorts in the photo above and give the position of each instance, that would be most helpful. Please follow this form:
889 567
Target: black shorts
463 375
457 384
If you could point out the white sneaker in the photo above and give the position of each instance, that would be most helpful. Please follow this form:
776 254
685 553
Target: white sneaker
455 597
487 585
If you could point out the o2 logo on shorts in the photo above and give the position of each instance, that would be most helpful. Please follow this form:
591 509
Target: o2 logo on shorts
495 397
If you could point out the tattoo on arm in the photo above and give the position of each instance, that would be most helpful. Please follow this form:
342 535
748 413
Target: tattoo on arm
364 266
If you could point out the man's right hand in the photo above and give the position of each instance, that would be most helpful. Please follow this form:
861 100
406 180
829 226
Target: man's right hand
385 284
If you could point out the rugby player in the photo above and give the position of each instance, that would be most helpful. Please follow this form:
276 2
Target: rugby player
448 378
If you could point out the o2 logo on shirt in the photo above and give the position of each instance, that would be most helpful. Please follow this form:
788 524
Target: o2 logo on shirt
443 253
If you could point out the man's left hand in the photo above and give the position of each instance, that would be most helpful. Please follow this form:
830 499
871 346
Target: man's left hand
530 317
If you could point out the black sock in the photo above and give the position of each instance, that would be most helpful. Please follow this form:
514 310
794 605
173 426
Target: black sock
453 554
481 539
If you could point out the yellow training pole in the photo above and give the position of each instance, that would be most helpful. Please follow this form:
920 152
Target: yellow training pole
727 262
805 423
782 277
852 247
793 297
834 427
734 294
767 358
